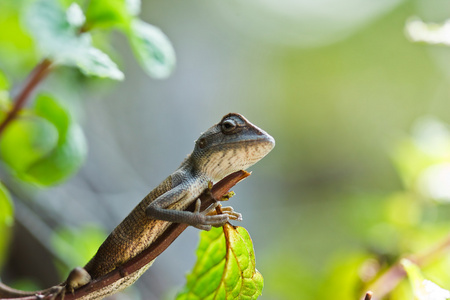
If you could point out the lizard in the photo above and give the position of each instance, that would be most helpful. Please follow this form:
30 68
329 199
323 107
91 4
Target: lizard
231 145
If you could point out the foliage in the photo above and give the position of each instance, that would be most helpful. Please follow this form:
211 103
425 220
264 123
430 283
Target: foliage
43 144
44 148
377 230
225 267
423 289
6 221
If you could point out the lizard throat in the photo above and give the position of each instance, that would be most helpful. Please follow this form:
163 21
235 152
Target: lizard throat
225 161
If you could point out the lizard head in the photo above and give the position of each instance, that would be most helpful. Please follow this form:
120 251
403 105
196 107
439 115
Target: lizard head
231 145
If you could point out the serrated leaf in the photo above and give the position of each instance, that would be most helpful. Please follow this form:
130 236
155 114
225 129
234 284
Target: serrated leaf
110 13
152 49
60 40
423 289
26 140
225 267
6 221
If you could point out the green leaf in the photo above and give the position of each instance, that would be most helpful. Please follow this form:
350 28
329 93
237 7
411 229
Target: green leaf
4 83
6 221
4 93
67 157
110 13
16 46
93 62
47 107
133 7
423 289
152 49
62 162
59 39
225 267
45 148
75 16
26 140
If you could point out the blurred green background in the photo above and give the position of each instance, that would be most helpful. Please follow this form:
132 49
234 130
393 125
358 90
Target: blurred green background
359 176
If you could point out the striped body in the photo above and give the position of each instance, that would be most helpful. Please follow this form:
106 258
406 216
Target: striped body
137 231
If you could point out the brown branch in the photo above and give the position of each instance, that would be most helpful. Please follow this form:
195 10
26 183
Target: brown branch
35 77
392 277
218 191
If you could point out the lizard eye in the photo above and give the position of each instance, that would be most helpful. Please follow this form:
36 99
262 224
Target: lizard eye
228 126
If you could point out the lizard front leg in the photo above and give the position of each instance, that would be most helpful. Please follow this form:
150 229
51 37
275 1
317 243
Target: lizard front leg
159 210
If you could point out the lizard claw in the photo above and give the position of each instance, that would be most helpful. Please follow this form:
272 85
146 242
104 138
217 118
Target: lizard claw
227 210
207 218
234 215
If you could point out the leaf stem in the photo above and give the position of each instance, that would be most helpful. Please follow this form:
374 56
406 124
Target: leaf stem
35 77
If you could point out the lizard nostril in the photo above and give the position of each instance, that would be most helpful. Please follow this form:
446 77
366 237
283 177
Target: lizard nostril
202 143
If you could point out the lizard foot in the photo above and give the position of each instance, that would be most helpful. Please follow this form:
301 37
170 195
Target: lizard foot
228 210
209 217
204 221
234 215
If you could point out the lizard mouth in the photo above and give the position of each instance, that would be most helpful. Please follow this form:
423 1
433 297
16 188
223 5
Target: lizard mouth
261 143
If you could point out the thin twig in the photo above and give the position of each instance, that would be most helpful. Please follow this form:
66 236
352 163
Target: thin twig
392 277
35 77
368 295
